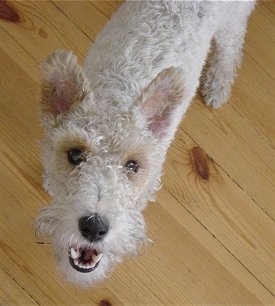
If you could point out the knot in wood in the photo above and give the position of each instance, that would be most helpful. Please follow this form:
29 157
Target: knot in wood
199 161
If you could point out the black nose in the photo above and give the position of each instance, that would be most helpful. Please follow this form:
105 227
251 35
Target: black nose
93 227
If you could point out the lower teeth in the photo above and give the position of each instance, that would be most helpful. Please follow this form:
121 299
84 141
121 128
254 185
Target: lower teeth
84 266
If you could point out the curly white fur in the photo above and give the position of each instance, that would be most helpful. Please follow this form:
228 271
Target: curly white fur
138 80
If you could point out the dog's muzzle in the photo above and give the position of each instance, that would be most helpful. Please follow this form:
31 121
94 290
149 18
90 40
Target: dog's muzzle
93 228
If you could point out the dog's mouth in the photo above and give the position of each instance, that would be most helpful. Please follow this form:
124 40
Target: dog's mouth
84 260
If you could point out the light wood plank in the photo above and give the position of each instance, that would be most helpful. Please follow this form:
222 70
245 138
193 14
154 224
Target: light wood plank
208 241
44 28
10 294
107 7
243 153
222 207
100 11
260 46
254 88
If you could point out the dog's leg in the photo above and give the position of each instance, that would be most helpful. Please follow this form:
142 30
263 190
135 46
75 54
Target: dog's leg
219 72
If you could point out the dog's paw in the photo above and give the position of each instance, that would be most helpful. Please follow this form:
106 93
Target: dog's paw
214 100
215 85
215 94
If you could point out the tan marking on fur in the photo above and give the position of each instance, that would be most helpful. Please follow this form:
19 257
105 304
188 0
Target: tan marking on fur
68 143
141 177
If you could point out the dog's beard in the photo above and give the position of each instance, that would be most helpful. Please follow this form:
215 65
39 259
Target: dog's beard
85 263
88 264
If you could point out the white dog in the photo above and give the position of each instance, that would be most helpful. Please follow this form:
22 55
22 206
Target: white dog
108 126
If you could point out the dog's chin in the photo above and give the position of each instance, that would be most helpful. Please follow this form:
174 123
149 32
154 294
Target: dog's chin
84 266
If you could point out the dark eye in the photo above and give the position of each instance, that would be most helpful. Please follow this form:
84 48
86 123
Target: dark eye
75 156
132 166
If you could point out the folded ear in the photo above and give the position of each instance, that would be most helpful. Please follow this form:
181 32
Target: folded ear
160 102
64 83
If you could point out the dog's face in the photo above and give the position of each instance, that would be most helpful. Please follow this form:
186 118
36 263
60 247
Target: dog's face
102 165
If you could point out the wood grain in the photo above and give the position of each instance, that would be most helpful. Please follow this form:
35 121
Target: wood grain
213 221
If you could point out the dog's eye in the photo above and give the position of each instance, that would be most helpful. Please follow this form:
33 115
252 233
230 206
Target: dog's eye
132 166
75 156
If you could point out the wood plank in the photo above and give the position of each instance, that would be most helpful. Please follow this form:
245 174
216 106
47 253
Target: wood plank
243 153
207 240
43 28
10 294
19 137
254 88
93 14
251 97
11 48
222 206
269 5
92 18
106 7
260 37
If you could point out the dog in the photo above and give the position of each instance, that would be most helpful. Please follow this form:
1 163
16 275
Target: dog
108 126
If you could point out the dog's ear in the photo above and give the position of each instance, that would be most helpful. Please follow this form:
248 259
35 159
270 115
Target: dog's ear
64 83
161 102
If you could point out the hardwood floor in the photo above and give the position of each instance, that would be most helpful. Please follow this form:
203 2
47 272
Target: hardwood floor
213 222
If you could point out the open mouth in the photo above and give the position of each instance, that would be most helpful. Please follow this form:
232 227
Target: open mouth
84 260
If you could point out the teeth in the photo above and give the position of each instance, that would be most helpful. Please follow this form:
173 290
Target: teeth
97 258
92 265
81 265
84 266
75 254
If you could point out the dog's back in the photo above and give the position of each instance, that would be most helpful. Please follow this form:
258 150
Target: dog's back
143 38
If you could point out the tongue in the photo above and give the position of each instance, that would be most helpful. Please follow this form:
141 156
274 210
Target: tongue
87 254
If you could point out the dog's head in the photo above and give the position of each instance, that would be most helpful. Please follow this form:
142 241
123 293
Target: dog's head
102 165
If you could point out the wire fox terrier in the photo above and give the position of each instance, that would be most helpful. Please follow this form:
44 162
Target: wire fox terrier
107 127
